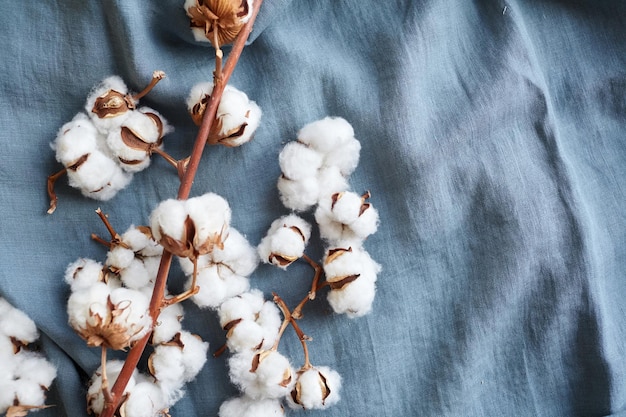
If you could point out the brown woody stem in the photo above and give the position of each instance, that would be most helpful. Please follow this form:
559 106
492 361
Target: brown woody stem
156 302
52 179
290 319
101 241
297 312
180 165
107 224
105 379
156 77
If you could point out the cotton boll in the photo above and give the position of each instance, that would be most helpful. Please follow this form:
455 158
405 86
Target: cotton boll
119 257
354 299
168 324
298 161
346 218
344 157
217 283
167 367
269 319
16 324
237 118
285 241
194 354
248 407
326 134
341 262
261 374
245 335
27 393
237 254
132 312
95 397
298 195
146 399
136 276
331 181
109 104
244 306
168 220
35 369
200 92
84 301
316 388
139 239
211 215
74 140
98 177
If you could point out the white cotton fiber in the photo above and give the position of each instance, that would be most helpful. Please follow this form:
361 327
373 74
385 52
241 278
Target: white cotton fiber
199 91
168 219
326 134
330 181
98 177
355 299
298 195
120 257
194 354
16 324
261 374
244 306
298 161
136 276
345 157
83 301
95 398
168 323
114 83
211 215
217 283
237 254
75 139
316 388
248 407
146 399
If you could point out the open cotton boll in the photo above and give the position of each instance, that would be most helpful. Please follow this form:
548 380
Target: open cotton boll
98 177
119 257
340 263
131 312
95 397
346 219
298 195
217 283
354 299
237 254
345 157
261 374
244 306
168 324
139 239
316 388
285 241
146 399
331 181
168 220
245 335
35 369
109 104
248 407
326 134
85 301
199 93
136 275
194 354
75 139
237 118
83 273
211 215
298 161
167 367
16 324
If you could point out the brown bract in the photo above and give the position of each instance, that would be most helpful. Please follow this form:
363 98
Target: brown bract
189 246
112 104
220 19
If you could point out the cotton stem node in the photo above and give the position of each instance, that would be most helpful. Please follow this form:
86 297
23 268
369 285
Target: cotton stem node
52 179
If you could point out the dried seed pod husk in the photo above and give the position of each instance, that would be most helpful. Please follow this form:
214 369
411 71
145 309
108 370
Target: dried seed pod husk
220 20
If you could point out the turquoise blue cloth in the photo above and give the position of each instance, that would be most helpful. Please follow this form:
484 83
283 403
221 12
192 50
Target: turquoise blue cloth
494 145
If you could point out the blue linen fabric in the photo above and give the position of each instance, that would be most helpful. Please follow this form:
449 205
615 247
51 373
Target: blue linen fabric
494 145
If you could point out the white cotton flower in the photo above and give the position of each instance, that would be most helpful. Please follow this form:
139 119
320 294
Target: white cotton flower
298 161
168 323
315 388
95 397
346 219
146 399
298 195
352 275
285 241
15 324
248 407
109 104
217 283
261 374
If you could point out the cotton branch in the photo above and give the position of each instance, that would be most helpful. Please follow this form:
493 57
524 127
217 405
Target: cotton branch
184 190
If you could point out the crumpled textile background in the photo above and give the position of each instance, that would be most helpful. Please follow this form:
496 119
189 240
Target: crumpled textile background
494 145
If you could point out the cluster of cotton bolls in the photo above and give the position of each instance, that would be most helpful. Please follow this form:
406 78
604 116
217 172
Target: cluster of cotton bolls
236 119
26 375
109 307
102 149
314 173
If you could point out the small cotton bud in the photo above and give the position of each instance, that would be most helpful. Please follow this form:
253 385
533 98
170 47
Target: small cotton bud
315 388
248 407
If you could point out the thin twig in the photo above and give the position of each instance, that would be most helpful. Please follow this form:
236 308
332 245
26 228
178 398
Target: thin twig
156 302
